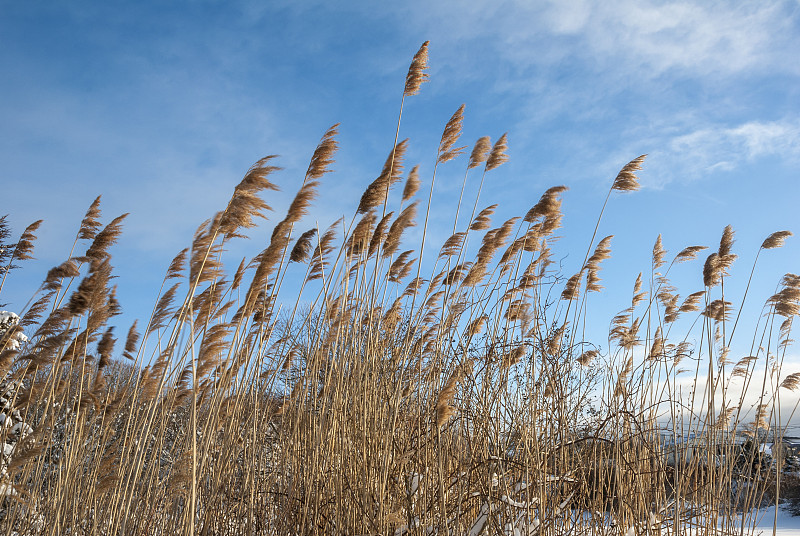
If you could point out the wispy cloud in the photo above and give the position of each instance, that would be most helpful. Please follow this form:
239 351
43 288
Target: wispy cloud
649 38
701 37
694 154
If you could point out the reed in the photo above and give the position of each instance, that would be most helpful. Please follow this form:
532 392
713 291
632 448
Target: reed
381 394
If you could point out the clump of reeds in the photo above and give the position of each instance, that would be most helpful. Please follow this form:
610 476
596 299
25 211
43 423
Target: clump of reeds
381 394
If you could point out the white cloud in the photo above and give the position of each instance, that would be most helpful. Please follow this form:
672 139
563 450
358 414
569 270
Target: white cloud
703 37
714 148
646 37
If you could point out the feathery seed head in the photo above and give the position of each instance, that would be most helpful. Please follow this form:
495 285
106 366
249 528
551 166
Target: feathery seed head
601 253
480 152
245 204
572 288
105 239
498 155
67 269
416 71
412 184
452 131
323 154
548 209
360 237
726 242
379 234
90 223
483 220
791 382
776 239
586 358
689 253
24 248
131 341
711 270
403 222
302 247
377 192
658 254
176 266
626 180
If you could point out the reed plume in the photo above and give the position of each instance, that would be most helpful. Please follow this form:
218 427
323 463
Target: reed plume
24 247
658 254
459 402
131 342
480 152
322 158
483 219
379 234
498 156
302 247
443 408
361 236
66 270
412 184
245 204
791 382
626 180
776 240
601 253
689 253
177 265
378 191
416 71
403 222
90 224
452 131
586 358
104 239
319 260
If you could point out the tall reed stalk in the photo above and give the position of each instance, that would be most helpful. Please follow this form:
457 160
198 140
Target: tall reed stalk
335 383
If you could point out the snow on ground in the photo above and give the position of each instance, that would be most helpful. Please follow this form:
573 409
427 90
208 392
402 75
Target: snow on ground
787 524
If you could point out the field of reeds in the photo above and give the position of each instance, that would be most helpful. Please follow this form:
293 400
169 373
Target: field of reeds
336 383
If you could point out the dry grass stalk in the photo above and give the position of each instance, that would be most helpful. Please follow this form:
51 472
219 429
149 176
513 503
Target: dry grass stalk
335 412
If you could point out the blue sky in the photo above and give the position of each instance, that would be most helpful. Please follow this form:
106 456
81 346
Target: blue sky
162 106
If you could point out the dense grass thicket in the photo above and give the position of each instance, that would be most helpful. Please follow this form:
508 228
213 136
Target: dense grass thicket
380 398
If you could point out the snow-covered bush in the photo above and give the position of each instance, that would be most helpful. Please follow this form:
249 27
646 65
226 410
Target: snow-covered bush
10 337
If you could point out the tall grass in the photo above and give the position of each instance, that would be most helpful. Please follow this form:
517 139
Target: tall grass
373 398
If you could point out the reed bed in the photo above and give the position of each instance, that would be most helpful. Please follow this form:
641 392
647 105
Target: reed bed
331 385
